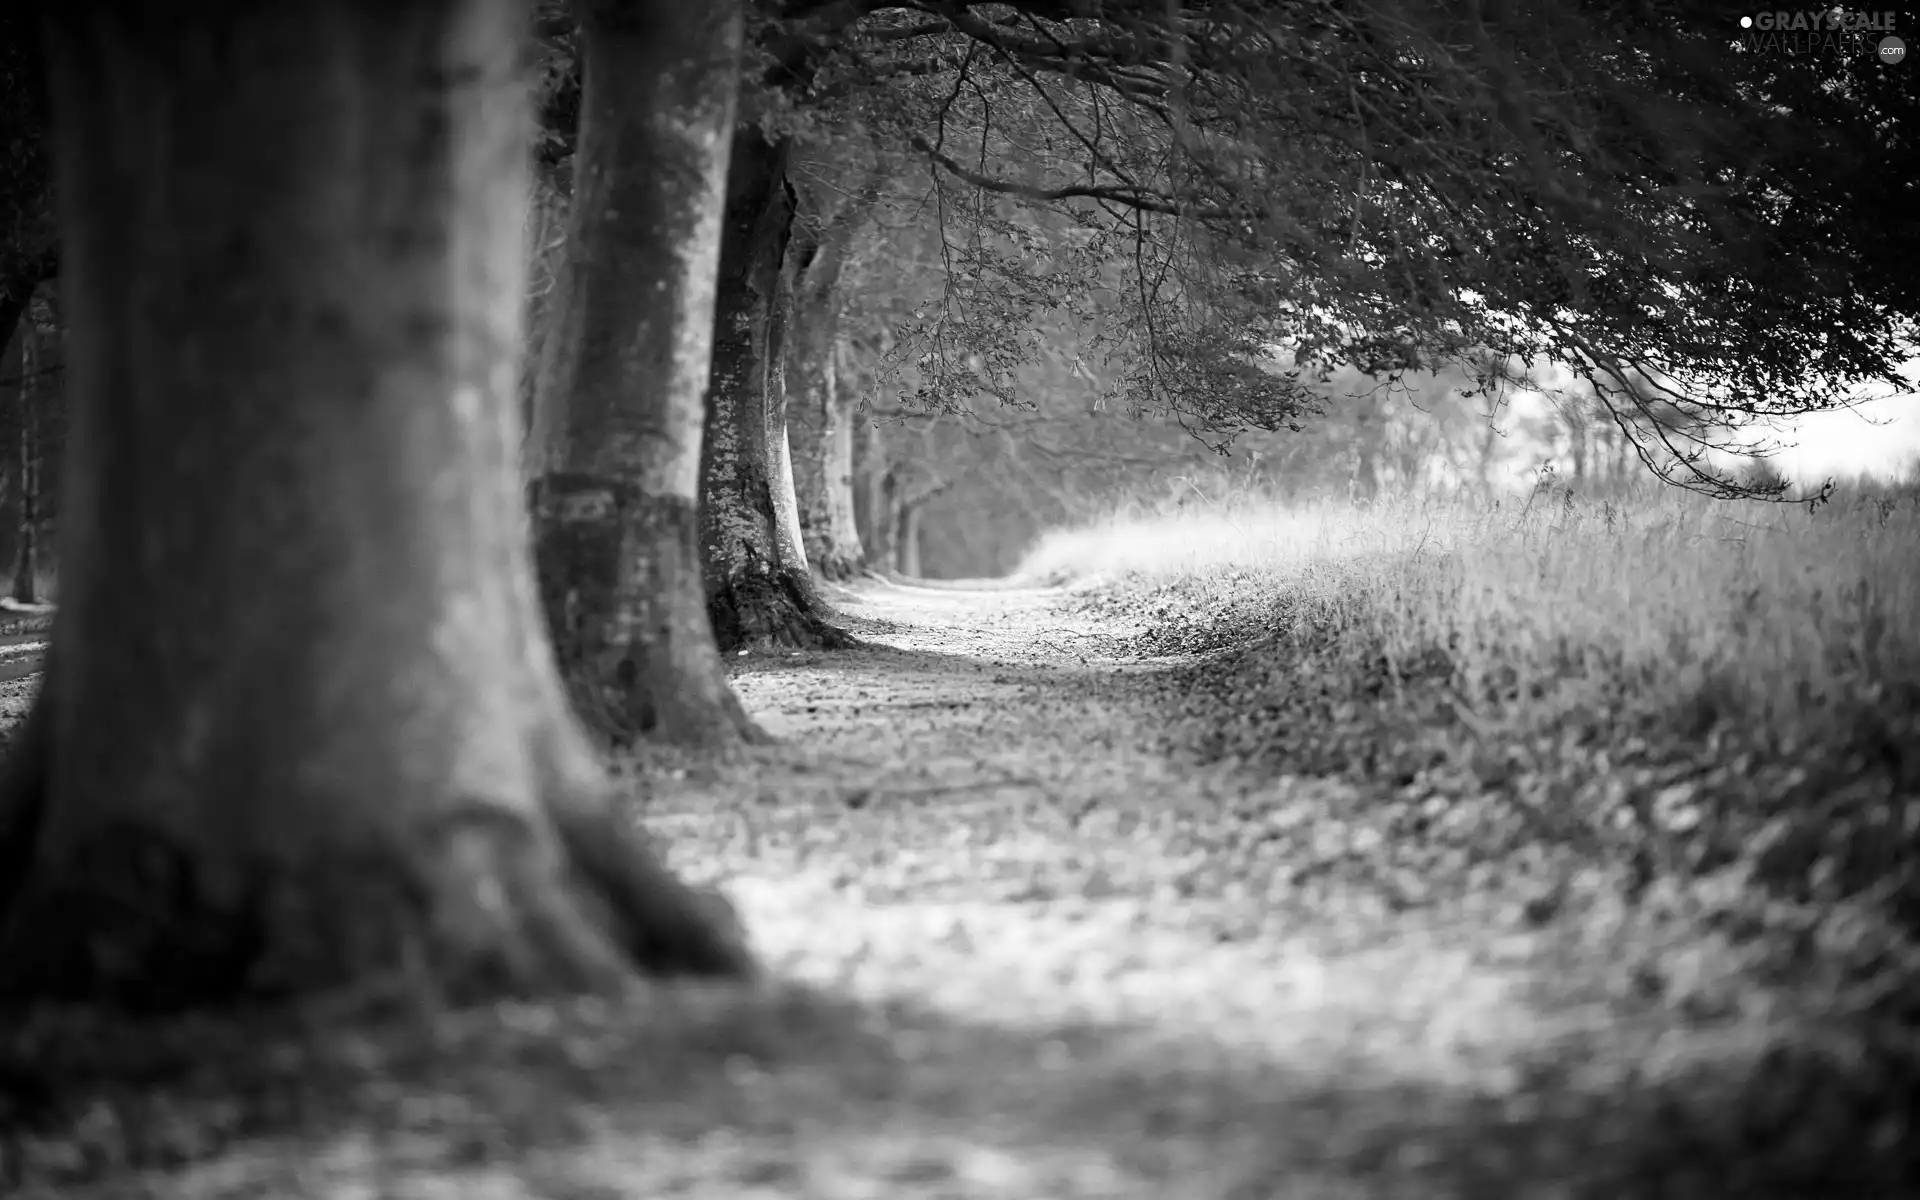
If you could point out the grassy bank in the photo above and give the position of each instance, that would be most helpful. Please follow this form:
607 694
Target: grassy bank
1706 712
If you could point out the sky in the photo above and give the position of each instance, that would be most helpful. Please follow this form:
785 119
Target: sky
1881 437
1878 438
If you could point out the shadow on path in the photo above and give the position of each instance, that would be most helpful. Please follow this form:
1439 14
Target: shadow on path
801 1094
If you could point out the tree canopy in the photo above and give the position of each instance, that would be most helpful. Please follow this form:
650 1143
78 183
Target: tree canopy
1248 185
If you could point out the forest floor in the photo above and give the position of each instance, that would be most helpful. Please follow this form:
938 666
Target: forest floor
1035 936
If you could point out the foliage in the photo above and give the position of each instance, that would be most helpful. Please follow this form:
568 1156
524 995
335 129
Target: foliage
1696 227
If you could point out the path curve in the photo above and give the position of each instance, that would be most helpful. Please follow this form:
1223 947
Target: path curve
964 819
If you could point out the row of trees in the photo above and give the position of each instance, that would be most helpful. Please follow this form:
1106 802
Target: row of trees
353 578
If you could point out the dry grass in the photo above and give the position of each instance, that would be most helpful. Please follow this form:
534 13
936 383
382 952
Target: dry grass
1709 704
1789 623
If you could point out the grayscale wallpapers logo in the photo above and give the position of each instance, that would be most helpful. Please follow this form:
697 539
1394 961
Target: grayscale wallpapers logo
1833 31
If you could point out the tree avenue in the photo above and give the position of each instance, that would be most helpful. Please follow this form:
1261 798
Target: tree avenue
301 727
1381 187
340 623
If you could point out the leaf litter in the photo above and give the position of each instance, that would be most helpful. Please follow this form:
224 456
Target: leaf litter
1041 929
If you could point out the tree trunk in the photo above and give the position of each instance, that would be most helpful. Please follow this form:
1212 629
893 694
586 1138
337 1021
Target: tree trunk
9 503
753 600
1369 431
1579 428
26 564
820 426
883 494
301 728
624 374
906 540
788 542
547 244
844 557
1488 451
17 283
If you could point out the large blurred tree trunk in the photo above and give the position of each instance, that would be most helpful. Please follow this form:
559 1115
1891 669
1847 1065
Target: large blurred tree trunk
753 599
301 726
623 376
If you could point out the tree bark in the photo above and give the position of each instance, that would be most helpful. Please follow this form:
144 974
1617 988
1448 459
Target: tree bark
26 558
820 421
301 729
623 377
844 557
788 541
547 247
753 600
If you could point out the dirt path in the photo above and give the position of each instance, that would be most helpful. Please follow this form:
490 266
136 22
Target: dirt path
972 802
1104 995
1026 957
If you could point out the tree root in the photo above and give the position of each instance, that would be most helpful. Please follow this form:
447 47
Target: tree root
637 660
839 567
691 717
665 926
476 902
765 611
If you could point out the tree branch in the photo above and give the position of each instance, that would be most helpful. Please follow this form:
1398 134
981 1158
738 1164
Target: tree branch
1132 196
